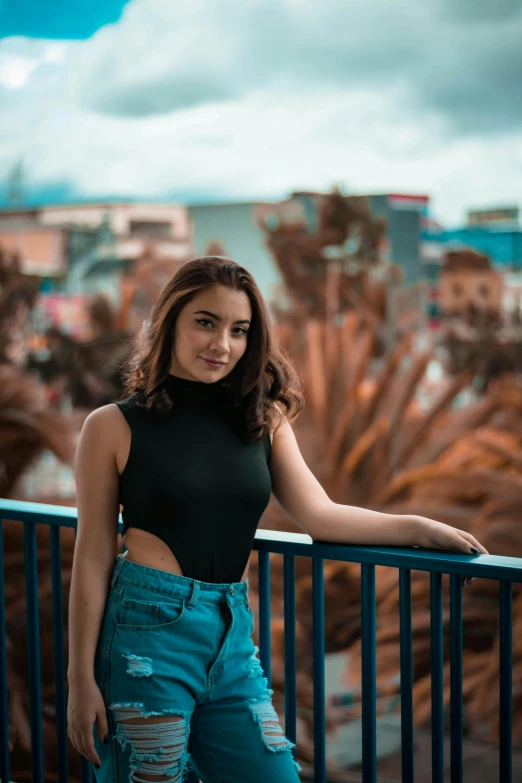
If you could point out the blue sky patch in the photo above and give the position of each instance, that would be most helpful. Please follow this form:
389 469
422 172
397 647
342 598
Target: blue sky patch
57 19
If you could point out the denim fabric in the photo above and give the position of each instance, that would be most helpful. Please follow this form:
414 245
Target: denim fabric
182 684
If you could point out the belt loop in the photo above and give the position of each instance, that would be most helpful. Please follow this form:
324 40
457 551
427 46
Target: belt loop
195 593
116 570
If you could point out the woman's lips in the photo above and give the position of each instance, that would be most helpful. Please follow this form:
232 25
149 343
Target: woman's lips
213 365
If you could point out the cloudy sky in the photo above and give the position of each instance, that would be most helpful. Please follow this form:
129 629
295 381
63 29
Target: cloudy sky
225 100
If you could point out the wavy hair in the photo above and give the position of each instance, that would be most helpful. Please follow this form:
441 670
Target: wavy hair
261 378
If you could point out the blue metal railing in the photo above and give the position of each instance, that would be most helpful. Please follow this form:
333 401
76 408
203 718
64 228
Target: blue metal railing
291 545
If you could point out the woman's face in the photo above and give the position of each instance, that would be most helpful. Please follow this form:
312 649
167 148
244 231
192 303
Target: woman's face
220 334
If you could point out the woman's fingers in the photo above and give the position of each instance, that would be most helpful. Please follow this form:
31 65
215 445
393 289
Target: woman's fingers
72 736
90 750
85 745
102 724
466 541
478 545
471 541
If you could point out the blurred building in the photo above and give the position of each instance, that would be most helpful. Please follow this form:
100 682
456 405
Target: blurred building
404 214
467 280
495 232
41 249
106 240
92 248
236 227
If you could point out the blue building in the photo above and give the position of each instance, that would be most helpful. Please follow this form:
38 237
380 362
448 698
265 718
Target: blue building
502 245
495 232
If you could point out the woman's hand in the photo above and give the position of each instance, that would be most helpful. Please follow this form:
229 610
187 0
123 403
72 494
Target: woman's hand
437 535
85 706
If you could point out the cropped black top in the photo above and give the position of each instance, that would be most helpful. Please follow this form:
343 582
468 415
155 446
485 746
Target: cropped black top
193 480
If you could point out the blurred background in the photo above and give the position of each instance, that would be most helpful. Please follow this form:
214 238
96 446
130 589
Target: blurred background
364 162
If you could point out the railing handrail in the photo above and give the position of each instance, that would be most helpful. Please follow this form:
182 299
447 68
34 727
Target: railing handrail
499 567
292 545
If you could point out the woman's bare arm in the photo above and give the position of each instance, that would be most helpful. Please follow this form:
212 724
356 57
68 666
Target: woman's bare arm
305 501
95 550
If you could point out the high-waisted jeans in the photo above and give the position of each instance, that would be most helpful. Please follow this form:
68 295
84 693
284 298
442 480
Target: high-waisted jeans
182 684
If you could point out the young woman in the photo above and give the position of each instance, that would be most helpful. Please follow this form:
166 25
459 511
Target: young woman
162 673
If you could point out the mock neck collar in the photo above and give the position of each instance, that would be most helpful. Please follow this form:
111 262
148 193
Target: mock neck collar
191 390
177 380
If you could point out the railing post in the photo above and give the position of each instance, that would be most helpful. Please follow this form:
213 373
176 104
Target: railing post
33 652
290 650
437 679
86 767
318 671
456 713
5 773
369 688
406 675
59 654
506 683
263 580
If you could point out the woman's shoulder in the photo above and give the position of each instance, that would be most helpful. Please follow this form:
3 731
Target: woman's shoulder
108 418
130 407
103 427
109 413
127 403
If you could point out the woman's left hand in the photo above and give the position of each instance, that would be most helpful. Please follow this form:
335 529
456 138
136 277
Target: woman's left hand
437 535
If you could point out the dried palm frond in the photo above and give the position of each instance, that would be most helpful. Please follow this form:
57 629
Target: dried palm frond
458 465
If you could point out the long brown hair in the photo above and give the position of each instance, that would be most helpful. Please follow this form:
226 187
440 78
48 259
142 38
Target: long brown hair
263 375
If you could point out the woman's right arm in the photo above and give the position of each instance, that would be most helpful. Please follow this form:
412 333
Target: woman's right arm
95 550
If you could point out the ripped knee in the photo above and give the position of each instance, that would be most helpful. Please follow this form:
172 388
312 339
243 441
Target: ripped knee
264 713
273 735
158 742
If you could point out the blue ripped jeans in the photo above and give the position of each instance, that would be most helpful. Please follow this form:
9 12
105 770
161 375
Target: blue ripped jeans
182 684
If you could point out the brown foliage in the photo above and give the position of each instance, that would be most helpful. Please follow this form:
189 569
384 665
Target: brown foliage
347 227
369 444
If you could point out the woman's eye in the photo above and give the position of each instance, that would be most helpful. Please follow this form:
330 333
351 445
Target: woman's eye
206 321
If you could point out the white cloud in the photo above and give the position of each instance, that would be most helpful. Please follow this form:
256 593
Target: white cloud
16 71
20 58
165 56
55 53
256 101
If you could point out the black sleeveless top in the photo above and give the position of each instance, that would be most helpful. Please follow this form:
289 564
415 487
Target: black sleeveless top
193 480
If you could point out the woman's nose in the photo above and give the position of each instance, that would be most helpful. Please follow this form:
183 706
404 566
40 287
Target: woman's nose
220 343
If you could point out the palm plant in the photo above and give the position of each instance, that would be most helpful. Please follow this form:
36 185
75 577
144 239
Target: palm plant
371 444
27 429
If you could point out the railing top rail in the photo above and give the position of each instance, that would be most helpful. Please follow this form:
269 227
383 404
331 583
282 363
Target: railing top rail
302 545
44 513
430 560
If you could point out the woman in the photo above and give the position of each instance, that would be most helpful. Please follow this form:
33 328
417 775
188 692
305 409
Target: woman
161 657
